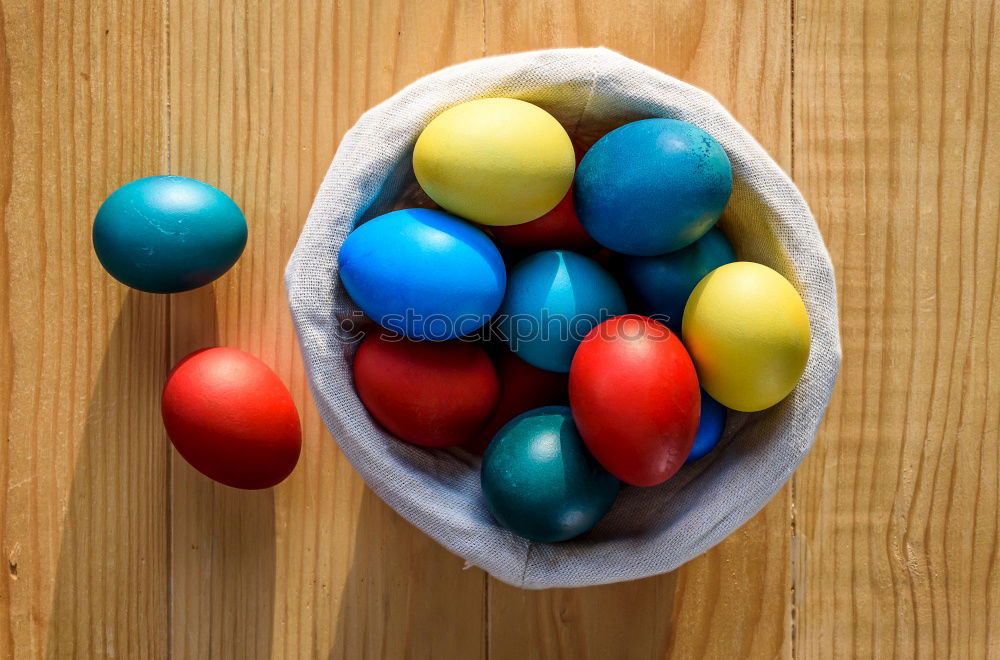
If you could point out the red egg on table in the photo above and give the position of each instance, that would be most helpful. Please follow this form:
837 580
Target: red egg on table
429 393
523 387
635 398
232 418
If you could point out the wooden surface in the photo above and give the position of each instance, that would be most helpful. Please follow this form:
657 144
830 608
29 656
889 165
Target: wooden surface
884 544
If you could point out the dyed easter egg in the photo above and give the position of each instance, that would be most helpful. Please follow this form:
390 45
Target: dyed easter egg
231 418
652 186
635 399
710 427
495 161
748 333
660 285
165 234
523 387
553 300
433 394
539 480
557 229
423 273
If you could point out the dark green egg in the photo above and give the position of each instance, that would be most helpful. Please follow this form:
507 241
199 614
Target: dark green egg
540 481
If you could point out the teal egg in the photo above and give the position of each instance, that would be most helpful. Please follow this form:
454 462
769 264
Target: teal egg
539 480
661 285
165 234
652 186
554 298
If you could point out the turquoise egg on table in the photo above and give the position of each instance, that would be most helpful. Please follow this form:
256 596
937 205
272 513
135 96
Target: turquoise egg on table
165 234
710 427
553 300
423 273
652 186
539 480
660 285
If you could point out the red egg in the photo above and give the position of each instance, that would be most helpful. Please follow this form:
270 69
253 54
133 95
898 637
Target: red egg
557 229
523 387
430 393
635 399
232 418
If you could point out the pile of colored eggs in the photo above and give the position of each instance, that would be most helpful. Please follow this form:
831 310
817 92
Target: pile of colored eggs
226 412
610 289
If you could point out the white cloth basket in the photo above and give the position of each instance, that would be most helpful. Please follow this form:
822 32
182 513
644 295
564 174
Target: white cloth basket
649 530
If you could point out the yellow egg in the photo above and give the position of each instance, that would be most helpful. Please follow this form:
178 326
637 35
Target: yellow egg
748 333
495 161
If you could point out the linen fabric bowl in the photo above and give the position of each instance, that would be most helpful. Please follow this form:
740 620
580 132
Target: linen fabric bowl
649 530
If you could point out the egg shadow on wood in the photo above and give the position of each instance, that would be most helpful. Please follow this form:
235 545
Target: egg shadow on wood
222 538
111 581
403 592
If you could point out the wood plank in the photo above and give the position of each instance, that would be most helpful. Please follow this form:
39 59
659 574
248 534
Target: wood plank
83 461
733 601
260 96
897 548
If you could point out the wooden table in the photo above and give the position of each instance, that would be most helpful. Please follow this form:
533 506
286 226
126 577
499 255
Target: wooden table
886 540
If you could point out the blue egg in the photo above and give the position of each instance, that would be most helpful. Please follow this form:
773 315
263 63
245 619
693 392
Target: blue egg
554 298
539 480
424 274
710 427
165 234
652 186
661 285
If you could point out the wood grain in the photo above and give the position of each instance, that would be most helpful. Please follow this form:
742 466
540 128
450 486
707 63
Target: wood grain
259 97
732 601
83 457
897 551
